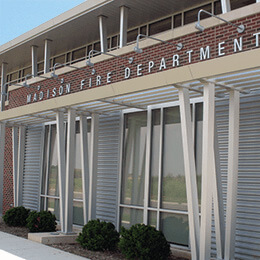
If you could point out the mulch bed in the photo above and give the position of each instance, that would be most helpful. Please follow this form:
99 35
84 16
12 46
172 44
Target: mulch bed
72 248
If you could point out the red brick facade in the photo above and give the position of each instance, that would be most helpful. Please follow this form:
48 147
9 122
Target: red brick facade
192 42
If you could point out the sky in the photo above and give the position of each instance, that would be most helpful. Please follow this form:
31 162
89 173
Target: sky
20 16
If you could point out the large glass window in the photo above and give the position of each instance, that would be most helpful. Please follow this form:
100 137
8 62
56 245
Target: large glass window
134 159
50 181
165 204
173 175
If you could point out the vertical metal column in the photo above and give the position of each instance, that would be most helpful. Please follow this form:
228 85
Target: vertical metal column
84 165
21 148
190 171
93 166
207 168
218 201
3 89
15 164
233 152
47 55
70 166
2 156
225 6
147 164
123 26
103 32
34 60
61 166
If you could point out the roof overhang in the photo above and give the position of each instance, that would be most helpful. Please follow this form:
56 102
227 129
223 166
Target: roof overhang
79 26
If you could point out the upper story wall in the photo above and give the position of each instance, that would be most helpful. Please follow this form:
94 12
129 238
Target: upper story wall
76 32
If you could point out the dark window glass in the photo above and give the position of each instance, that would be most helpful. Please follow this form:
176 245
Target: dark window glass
114 42
97 46
59 59
240 3
40 67
131 35
80 53
90 47
177 21
143 30
217 7
68 57
192 15
27 71
14 76
160 26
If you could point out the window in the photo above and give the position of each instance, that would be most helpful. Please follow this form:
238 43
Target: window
131 35
217 8
40 67
240 3
114 42
160 26
60 59
79 54
26 71
192 15
177 20
50 181
166 203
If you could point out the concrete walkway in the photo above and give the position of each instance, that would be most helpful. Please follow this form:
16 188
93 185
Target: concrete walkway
17 248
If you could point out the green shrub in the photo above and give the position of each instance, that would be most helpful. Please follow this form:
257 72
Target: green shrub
43 221
143 242
99 236
16 217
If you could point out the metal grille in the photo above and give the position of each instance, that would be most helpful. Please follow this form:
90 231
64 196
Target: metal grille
32 167
108 167
248 204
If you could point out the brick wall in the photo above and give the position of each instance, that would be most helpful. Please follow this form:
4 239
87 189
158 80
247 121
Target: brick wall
8 171
195 41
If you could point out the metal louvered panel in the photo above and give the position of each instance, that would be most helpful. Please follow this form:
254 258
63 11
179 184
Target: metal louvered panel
108 167
32 167
248 200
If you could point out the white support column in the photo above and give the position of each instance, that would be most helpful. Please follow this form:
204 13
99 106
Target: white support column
21 148
47 55
2 156
93 166
103 32
34 60
225 6
147 165
3 81
70 166
15 164
190 171
218 202
61 166
84 165
233 152
207 168
123 26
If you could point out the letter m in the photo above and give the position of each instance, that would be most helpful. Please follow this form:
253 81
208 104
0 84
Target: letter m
205 53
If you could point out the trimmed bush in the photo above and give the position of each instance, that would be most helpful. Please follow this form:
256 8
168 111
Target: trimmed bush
143 242
43 221
99 236
16 217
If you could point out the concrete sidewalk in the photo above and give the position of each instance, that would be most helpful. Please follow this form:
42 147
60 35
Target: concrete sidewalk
17 248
